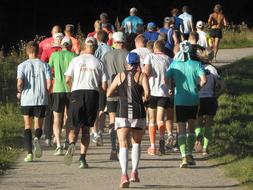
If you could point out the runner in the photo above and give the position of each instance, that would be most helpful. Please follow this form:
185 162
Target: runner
33 84
203 37
131 117
114 64
216 21
208 103
130 23
48 42
86 75
69 32
179 25
104 18
141 50
187 75
155 67
97 27
151 34
187 21
59 62
97 130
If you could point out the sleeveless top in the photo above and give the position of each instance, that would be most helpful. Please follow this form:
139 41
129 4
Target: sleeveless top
130 97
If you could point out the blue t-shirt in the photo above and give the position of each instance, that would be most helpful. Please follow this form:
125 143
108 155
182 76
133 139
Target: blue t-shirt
151 35
186 76
130 24
169 44
34 74
102 50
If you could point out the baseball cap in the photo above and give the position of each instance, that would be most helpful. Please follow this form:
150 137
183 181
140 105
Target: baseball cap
90 41
200 24
133 58
133 10
66 40
58 36
118 37
169 19
151 25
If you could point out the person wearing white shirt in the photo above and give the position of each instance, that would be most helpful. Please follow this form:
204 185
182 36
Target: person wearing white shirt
187 22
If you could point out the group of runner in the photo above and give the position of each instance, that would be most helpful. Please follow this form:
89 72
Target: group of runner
140 77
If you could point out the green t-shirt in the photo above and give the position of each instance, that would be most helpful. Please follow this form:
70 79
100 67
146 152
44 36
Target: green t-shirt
59 62
186 77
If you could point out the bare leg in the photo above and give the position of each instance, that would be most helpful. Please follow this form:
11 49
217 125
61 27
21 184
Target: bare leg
57 128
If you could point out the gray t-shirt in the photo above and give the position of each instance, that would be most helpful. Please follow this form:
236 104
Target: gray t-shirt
34 74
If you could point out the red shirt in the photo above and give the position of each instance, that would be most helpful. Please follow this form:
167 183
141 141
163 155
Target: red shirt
48 52
93 34
45 44
75 45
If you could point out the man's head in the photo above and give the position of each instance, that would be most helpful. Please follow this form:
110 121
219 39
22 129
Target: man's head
169 21
185 9
57 39
32 48
55 29
151 26
159 46
69 29
200 25
217 8
150 45
90 45
66 43
162 36
174 12
104 17
97 25
133 60
133 11
119 39
102 36
140 41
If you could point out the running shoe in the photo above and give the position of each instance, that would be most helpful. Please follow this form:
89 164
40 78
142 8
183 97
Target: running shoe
37 151
161 147
134 177
114 155
124 181
151 151
184 163
58 151
169 141
65 145
28 158
48 142
190 160
204 152
69 155
99 140
83 164
93 137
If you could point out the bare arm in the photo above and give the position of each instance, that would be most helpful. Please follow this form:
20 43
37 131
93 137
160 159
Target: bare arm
48 84
176 43
145 87
147 69
68 80
104 86
225 22
203 80
113 86
210 20
19 87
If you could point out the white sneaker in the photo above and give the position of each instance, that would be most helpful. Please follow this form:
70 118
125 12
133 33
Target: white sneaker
69 155
58 151
37 148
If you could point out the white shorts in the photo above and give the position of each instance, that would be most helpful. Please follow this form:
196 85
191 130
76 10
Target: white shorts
130 123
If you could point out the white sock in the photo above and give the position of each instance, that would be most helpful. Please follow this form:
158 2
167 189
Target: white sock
123 160
136 153
152 145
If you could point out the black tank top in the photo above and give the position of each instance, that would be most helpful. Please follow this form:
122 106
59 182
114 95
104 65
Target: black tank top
130 97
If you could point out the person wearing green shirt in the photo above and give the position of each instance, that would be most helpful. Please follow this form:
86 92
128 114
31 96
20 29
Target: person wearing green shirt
188 75
59 62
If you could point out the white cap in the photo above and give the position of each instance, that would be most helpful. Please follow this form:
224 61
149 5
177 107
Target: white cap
66 40
133 10
118 37
58 35
90 41
200 24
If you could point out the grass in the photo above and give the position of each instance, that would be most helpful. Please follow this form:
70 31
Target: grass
237 39
11 135
233 140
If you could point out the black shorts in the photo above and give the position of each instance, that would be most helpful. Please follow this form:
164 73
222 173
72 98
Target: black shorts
170 103
216 33
34 111
186 36
156 101
112 106
83 108
208 106
60 100
184 113
102 100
